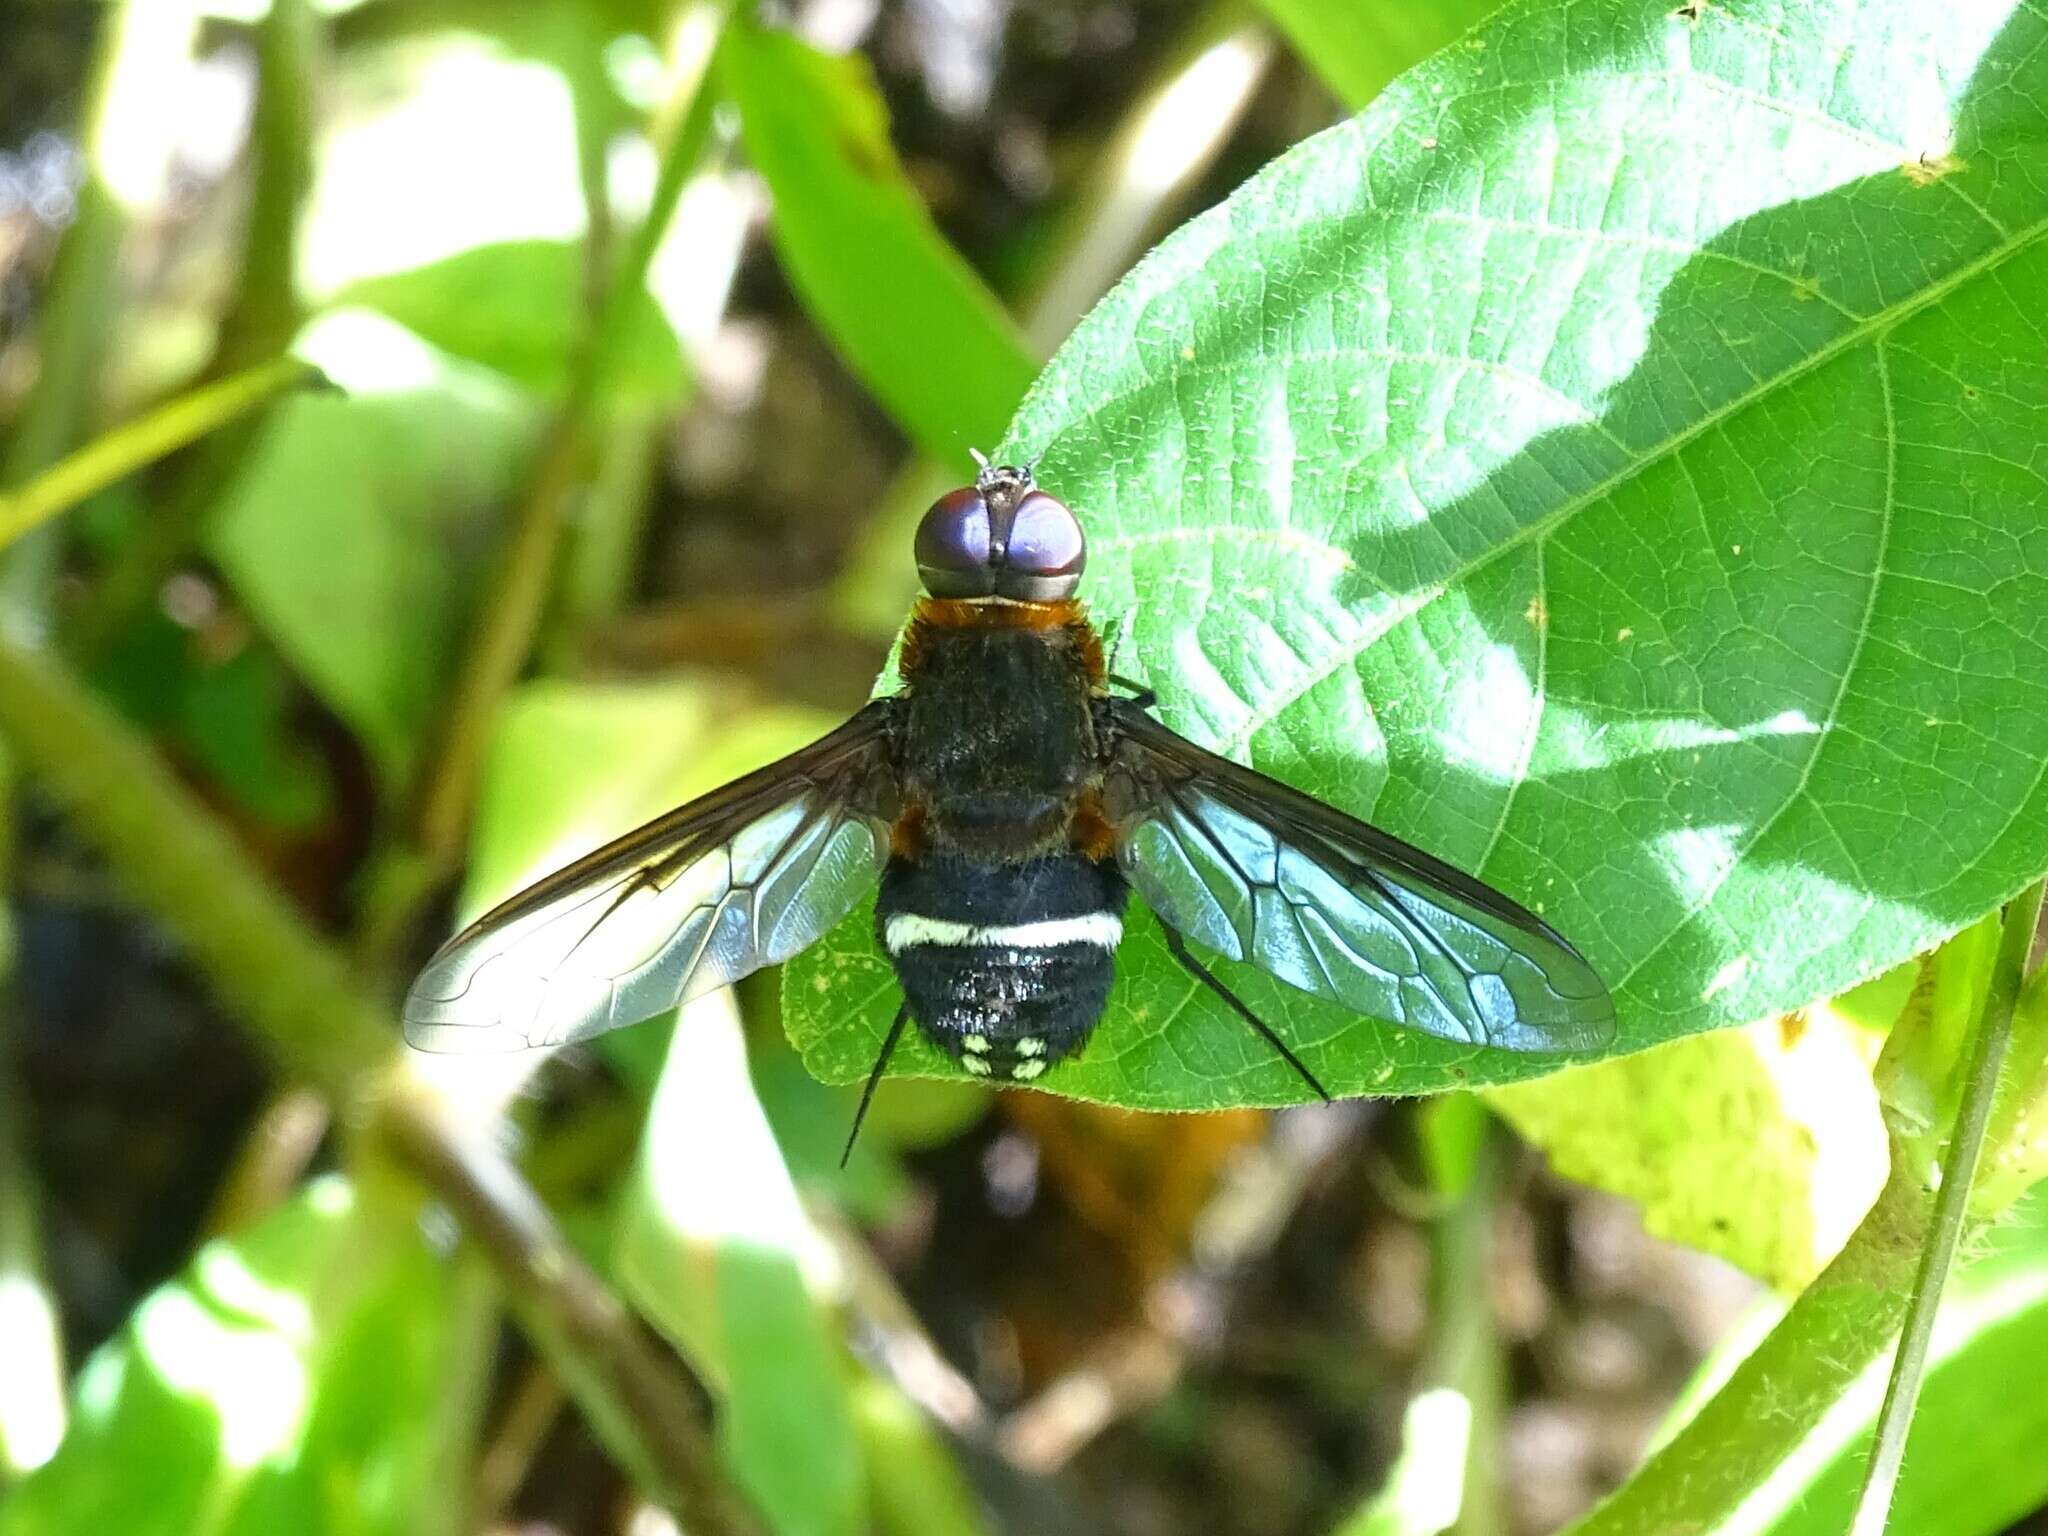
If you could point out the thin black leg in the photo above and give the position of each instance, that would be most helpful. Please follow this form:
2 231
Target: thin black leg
1141 696
1178 947
867 1094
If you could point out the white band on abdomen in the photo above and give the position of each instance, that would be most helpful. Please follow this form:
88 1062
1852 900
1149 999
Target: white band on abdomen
906 929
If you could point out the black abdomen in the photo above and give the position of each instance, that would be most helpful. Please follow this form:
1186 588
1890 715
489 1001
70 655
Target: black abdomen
1006 966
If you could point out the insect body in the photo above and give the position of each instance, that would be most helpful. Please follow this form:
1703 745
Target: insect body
1008 800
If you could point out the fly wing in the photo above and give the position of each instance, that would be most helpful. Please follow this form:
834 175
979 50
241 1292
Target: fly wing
742 878
1265 874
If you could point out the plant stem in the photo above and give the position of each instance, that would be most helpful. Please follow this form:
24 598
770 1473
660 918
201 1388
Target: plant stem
1781 1392
1162 146
137 41
1951 1205
141 442
266 310
32 1406
259 324
517 592
1465 1354
295 994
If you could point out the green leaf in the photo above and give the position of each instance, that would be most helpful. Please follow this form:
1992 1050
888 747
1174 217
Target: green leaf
464 141
718 1263
293 1380
1608 462
908 314
1423 1491
357 524
516 308
230 716
1763 1145
1355 48
1972 1465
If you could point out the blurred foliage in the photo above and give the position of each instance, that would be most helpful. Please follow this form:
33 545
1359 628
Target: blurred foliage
1610 459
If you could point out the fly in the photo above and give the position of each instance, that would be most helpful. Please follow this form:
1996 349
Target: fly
1005 804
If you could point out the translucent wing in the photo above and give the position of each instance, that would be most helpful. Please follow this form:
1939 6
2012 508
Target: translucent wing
744 877
1265 874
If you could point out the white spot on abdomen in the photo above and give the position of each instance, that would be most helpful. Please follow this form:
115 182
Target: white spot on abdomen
907 929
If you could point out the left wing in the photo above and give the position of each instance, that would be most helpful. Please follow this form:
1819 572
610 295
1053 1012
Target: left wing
741 878
1270 876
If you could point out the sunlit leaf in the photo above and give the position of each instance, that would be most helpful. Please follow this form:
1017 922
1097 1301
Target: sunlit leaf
714 1245
517 308
1609 462
909 315
463 143
1972 1467
293 1380
1763 1145
358 524
1356 48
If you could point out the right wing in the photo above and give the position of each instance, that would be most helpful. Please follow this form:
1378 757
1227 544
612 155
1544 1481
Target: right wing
741 878
1262 873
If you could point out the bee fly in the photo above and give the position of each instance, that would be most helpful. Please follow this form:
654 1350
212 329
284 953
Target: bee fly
1008 799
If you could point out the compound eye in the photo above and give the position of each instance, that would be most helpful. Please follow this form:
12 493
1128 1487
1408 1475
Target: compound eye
953 546
1046 551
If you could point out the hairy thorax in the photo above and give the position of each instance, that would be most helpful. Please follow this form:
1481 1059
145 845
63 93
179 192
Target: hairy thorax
999 727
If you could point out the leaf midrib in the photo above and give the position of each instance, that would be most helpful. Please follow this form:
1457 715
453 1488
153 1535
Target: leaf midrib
1868 329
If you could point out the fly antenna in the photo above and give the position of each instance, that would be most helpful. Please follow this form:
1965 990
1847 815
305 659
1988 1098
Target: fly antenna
981 459
867 1094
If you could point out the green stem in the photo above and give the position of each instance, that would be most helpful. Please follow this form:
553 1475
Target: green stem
141 442
1179 122
1465 1352
137 39
518 594
32 1406
1781 1392
1951 1206
259 323
266 310
295 994
1177 125
1836 1330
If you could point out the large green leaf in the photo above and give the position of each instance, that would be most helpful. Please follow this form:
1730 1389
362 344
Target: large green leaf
517 307
357 524
1613 462
905 310
295 1379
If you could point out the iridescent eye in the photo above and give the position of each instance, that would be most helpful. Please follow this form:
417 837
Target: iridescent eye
953 546
1043 558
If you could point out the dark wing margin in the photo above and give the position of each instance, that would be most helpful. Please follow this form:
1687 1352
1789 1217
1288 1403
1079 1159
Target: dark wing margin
741 878
1265 874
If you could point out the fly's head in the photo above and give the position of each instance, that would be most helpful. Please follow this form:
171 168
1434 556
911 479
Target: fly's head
1001 537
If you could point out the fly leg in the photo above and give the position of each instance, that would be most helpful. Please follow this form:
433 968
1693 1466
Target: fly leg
867 1094
1178 948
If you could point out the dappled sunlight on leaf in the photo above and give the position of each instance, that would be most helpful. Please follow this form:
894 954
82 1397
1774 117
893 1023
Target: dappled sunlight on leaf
1702 439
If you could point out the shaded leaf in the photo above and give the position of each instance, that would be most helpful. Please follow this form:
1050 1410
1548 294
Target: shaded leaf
357 525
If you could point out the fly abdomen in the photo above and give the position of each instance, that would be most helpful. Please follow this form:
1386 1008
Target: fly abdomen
1007 967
